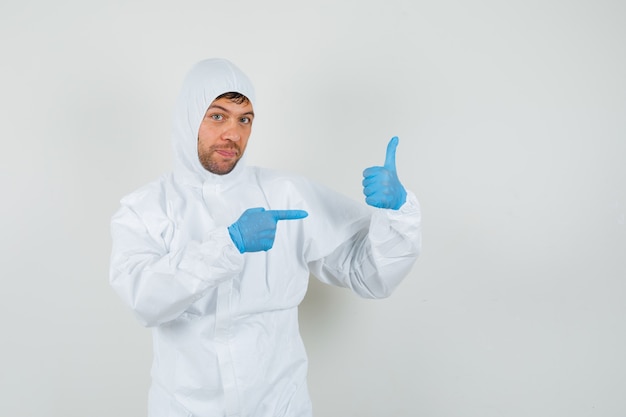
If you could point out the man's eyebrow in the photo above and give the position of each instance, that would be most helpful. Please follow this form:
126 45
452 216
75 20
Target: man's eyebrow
217 106
225 110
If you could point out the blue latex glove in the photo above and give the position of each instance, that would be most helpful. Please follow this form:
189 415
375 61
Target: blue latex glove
381 185
256 228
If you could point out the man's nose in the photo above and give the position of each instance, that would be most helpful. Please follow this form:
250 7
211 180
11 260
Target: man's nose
231 133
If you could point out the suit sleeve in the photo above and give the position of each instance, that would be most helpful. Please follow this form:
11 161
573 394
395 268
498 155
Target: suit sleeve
158 281
376 253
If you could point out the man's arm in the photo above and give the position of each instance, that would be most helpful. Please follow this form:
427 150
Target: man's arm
373 260
158 282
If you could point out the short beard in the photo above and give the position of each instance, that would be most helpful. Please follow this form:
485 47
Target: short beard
210 165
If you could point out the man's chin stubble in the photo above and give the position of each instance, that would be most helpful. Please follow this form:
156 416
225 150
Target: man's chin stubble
217 169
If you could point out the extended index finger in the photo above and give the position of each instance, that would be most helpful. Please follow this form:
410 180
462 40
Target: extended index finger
288 214
390 157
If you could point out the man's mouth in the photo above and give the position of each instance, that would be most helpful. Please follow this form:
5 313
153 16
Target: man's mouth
227 153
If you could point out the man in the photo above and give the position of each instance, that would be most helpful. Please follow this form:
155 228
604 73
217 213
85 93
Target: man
200 256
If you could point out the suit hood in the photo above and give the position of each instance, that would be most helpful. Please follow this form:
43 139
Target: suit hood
206 80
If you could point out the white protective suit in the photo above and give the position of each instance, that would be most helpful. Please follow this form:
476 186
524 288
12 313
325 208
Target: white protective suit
225 324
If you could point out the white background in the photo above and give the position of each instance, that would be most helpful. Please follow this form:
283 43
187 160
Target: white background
512 121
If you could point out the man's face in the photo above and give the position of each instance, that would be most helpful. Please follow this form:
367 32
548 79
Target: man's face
223 135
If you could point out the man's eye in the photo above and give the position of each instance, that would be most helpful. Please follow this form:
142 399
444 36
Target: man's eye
217 117
245 120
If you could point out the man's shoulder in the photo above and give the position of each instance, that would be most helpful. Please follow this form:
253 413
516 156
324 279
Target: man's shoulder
151 196
280 176
291 183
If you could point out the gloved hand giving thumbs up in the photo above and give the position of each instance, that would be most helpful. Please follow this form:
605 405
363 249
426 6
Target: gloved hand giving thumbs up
381 185
256 228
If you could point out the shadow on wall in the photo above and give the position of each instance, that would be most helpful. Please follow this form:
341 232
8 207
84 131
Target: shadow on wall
323 314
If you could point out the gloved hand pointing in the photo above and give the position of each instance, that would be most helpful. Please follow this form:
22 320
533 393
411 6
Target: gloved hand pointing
256 228
381 185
